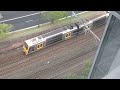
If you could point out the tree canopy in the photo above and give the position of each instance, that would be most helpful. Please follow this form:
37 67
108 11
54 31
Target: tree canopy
54 16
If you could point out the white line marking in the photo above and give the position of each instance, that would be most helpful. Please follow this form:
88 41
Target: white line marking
28 28
43 11
29 21
22 17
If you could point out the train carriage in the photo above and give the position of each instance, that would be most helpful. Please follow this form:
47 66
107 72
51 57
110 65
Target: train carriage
50 38
58 35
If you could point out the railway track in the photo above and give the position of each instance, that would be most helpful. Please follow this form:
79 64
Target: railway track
76 68
20 55
36 57
45 71
49 58
68 62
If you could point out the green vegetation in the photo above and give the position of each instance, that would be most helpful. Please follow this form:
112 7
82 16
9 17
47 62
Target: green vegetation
83 74
54 16
15 35
4 29
86 70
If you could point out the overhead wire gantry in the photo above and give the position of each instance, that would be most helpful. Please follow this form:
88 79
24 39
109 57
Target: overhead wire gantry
86 27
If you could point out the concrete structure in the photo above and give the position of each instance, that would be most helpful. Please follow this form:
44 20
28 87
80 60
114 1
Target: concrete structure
0 16
106 64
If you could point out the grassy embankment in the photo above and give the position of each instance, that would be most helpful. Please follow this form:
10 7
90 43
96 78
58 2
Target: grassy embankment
84 72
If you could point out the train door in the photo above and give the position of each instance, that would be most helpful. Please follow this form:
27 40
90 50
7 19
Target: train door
68 35
31 49
39 46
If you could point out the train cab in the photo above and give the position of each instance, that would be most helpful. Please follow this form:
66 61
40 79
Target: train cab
32 45
25 48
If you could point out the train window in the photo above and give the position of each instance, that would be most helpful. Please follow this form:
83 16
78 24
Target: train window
68 35
39 46
26 46
31 49
71 27
54 39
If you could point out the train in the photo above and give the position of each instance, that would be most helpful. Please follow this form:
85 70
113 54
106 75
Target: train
61 34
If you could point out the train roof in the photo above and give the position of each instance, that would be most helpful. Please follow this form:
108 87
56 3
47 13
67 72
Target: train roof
54 32
34 41
43 37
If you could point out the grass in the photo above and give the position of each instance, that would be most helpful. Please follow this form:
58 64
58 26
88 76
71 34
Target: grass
26 32
3 35
84 73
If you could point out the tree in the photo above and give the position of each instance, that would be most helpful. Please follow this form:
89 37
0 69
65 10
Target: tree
54 16
4 29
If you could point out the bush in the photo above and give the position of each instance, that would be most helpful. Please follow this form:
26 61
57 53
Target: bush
4 29
54 16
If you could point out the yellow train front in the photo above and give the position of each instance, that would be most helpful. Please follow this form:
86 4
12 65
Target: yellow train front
32 45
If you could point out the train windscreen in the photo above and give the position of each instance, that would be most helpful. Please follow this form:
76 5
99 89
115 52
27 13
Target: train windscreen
26 46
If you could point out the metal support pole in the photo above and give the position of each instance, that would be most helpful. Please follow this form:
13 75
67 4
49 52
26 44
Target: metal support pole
86 27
